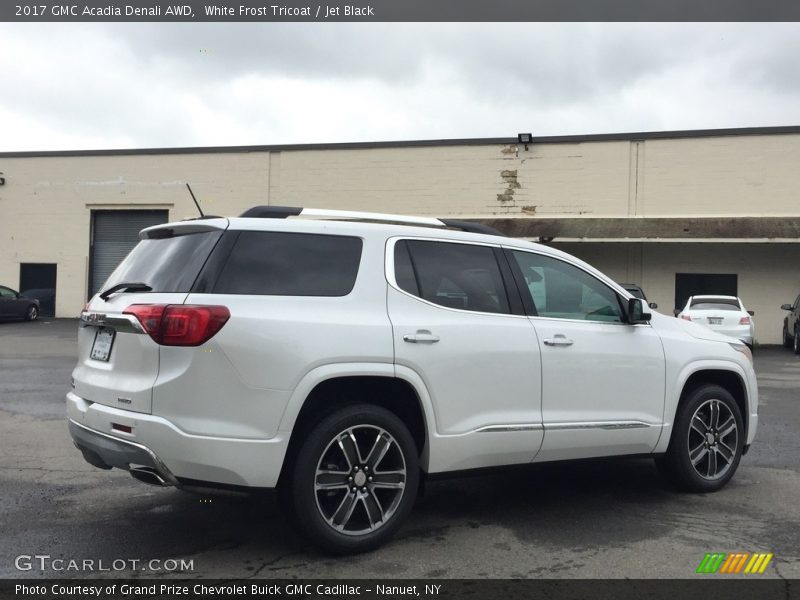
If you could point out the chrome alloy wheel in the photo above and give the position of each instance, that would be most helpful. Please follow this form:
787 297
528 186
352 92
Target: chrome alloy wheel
713 439
360 480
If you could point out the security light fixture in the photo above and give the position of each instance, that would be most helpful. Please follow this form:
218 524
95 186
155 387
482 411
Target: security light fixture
525 139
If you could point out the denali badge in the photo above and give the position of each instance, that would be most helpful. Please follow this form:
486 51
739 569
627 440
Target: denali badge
124 400
93 318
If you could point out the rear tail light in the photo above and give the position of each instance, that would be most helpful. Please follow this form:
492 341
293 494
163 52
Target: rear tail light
180 324
686 317
744 321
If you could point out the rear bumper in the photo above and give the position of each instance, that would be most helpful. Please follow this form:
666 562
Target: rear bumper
157 445
105 451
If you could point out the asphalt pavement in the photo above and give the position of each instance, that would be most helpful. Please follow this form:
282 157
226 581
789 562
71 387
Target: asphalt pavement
592 519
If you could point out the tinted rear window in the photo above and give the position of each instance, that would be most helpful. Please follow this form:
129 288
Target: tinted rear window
290 264
715 304
462 276
166 264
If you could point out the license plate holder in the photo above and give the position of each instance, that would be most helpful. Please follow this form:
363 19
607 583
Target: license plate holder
103 342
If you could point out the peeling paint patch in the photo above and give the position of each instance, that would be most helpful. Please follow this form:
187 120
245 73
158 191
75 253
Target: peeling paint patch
510 179
512 149
529 209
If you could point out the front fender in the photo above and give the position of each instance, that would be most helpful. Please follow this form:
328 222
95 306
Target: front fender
674 395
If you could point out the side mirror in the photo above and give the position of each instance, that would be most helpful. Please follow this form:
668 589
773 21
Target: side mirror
752 313
653 305
786 306
637 313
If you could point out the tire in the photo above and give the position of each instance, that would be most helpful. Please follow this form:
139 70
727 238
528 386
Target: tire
32 313
787 339
796 345
710 415
353 445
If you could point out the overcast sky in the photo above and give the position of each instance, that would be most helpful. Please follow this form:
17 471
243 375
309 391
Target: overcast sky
83 86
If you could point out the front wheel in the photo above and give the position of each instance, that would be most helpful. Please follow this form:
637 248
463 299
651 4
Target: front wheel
796 345
787 339
355 479
707 441
32 313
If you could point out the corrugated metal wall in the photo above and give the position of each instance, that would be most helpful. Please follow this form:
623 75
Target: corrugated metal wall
114 234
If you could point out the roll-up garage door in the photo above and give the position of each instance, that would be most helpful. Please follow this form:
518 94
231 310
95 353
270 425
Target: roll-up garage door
114 234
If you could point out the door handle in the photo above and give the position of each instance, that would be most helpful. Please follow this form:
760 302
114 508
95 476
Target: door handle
423 336
558 340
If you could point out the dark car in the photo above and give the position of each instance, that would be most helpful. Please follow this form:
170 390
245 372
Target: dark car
14 306
637 292
791 327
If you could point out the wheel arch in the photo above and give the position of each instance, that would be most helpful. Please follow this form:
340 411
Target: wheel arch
727 378
328 388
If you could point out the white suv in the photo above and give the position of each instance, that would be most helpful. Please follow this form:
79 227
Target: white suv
340 357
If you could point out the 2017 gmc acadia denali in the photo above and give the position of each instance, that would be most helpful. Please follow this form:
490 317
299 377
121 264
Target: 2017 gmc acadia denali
339 357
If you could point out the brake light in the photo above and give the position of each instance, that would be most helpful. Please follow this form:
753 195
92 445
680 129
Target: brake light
686 317
180 324
744 321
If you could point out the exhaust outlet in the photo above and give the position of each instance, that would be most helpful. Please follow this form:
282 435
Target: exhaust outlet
148 475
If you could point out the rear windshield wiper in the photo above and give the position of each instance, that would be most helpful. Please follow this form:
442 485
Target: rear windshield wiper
135 286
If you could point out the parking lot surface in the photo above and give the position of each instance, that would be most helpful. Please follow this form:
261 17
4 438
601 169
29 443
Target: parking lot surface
596 519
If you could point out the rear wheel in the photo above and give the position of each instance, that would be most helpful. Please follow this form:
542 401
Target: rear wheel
355 479
707 441
32 313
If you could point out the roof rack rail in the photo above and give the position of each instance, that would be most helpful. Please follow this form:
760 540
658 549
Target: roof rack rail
471 227
283 212
272 212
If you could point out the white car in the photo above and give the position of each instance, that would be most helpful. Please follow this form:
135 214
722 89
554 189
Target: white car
723 314
341 357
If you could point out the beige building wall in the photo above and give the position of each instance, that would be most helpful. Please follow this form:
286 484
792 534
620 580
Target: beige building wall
46 203
731 176
767 275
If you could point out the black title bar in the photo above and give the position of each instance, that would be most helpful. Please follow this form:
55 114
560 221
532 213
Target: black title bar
399 10
700 587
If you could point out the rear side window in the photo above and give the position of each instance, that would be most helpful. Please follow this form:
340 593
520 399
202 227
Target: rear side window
454 275
168 264
290 264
